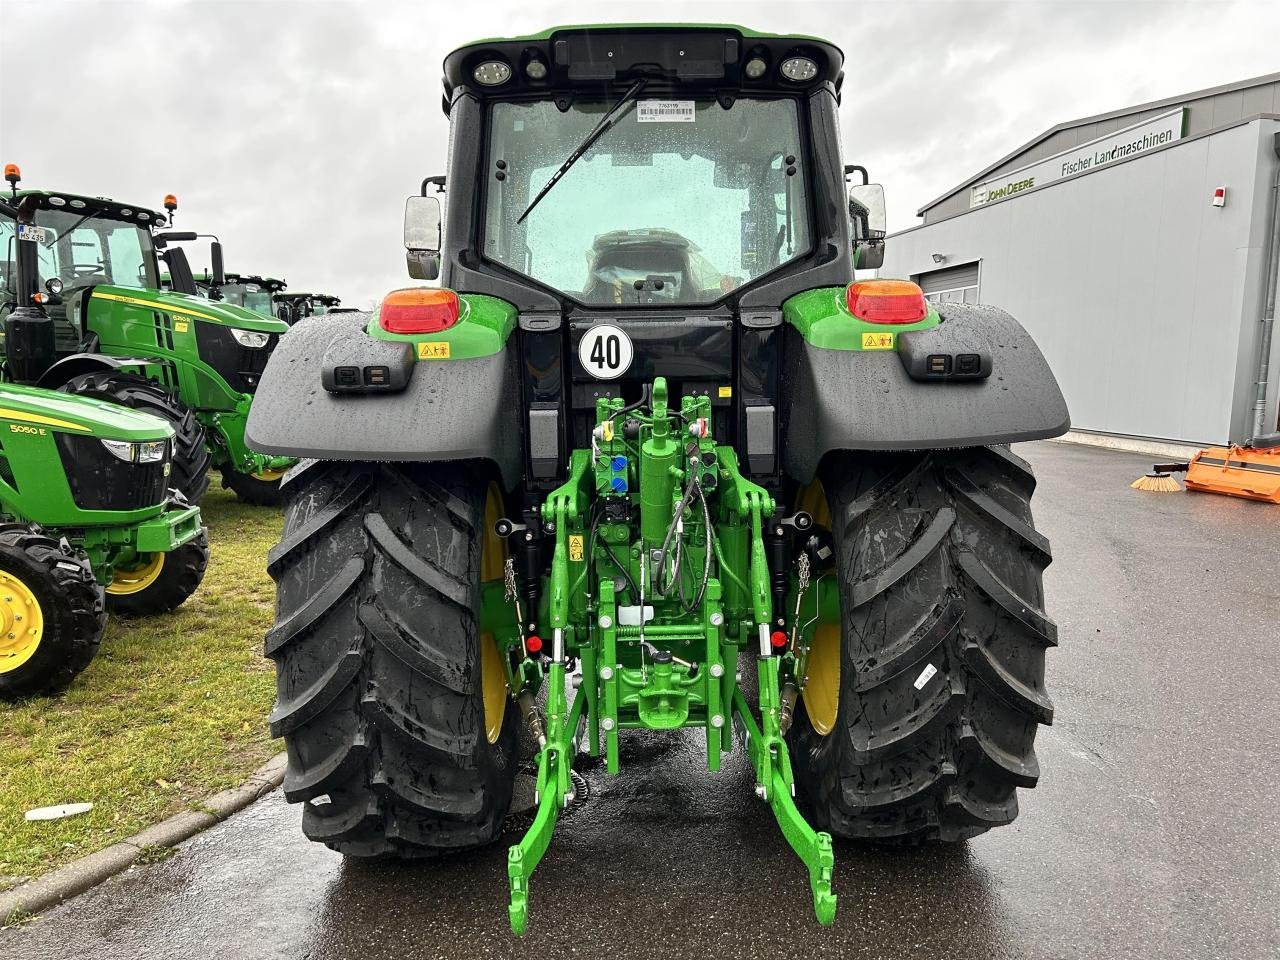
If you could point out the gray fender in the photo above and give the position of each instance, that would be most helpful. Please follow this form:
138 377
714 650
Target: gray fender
77 363
866 400
450 409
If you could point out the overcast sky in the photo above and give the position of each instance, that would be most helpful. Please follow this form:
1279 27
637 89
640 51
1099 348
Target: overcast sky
294 130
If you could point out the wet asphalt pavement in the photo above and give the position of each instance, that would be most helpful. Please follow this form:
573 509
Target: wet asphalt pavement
1153 833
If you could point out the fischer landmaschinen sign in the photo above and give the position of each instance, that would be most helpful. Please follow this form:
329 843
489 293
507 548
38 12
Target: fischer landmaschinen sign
1085 158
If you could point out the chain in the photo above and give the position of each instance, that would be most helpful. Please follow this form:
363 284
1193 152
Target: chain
509 580
802 584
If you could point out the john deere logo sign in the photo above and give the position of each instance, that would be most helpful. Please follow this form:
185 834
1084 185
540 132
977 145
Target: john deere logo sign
1085 158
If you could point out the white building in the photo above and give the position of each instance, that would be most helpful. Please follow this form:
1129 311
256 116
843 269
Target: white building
1136 248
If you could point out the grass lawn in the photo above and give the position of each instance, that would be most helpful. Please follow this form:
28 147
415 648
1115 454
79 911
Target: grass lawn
172 710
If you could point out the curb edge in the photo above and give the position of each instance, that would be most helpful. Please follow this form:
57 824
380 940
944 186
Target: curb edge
74 878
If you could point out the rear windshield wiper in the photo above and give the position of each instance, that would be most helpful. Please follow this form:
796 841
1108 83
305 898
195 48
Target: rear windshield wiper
601 128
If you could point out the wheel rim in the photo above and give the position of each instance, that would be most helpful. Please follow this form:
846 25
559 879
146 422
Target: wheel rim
822 689
493 678
137 578
21 623
268 476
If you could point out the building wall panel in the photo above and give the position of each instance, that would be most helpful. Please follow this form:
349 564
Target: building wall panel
1134 285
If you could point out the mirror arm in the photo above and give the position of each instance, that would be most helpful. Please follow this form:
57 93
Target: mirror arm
857 168
438 181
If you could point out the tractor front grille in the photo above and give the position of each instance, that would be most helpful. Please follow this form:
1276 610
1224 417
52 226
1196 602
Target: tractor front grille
100 480
240 366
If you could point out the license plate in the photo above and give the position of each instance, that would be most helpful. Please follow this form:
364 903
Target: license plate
31 233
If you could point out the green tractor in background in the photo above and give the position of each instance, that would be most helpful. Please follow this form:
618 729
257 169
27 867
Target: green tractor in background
243 290
292 307
253 292
93 266
652 436
86 515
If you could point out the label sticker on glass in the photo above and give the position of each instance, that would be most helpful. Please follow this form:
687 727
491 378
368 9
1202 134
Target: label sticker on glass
27 231
605 351
877 341
664 111
433 351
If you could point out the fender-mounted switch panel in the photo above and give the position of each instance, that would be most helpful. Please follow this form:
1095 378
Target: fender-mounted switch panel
949 351
361 364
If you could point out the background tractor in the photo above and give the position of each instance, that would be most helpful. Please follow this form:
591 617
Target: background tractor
651 434
85 507
91 266
292 307
252 292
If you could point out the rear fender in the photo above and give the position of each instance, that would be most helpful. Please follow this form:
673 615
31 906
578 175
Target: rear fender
467 409
848 399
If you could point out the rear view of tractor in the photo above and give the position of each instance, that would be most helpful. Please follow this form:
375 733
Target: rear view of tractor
650 428
92 267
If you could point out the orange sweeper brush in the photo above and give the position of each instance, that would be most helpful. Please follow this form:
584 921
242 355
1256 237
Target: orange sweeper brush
1252 471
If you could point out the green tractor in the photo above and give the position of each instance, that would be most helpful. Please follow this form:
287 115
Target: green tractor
250 292
86 514
292 307
93 265
651 457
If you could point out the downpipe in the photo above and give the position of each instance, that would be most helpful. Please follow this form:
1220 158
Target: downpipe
1269 309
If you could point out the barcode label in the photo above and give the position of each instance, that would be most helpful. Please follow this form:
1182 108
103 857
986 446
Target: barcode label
926 675
664 111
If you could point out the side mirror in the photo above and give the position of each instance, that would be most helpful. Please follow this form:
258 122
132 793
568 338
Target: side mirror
866 206
422 216
219 278
870 224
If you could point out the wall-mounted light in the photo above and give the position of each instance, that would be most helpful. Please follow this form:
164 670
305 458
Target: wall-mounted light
939 258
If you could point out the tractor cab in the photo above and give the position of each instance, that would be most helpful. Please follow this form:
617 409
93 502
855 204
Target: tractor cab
76 244
680 184
292 307
250 292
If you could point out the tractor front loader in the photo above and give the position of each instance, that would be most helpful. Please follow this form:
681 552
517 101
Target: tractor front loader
91 266
648 426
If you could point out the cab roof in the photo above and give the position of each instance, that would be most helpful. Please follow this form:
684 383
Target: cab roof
710 57
73 202
273 284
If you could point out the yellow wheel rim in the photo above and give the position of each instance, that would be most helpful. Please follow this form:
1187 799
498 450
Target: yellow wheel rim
268 476
493 678
138 578
822 691
21 622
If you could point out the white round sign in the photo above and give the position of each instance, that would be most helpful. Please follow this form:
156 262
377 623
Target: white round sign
605 351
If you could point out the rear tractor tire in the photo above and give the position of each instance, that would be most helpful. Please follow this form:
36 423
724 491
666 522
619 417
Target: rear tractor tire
259 490
51 612
159 582
920 715
400 733
190 471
